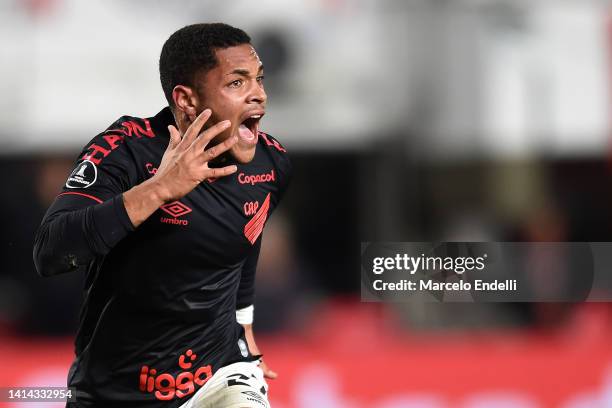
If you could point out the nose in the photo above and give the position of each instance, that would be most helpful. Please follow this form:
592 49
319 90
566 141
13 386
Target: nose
257 94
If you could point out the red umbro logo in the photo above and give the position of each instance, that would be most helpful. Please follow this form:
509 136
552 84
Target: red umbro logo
175 209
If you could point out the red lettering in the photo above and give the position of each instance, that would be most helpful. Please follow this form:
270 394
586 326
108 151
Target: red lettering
256 178
184 384
144 372
150 168
119 130
151 381
272 143
202 370
250 207
174 221
96 149
166 386
253 228
183 364
114 137
164 392
112 140
133 128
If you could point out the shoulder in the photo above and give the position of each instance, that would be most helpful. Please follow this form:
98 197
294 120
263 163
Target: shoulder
110 144
272 148
110 154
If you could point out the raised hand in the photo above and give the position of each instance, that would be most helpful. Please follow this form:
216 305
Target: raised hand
184 164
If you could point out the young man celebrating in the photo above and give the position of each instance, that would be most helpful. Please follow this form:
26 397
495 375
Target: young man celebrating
165 216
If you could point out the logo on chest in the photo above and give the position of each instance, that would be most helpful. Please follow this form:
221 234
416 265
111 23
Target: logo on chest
176 209
253 228
253 179
250 208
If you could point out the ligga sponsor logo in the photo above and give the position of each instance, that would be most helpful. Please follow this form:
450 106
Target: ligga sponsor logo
165 386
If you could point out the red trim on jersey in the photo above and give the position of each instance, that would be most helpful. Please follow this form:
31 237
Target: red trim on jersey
81 194
255 226
257 220
274 143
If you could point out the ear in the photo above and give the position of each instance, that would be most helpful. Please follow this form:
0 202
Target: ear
185 100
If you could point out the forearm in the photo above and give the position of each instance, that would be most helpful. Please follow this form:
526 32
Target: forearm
74 232
143 200
250 338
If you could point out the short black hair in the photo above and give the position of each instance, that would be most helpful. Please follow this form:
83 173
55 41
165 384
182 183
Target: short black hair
191 51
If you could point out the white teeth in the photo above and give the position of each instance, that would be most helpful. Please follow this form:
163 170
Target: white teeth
255 116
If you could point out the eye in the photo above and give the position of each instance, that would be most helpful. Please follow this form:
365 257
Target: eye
236 83
260 78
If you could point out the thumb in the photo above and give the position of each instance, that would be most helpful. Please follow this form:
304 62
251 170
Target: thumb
270 374
175 137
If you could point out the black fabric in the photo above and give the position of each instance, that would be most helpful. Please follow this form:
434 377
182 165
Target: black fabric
159 314
74 232
246 290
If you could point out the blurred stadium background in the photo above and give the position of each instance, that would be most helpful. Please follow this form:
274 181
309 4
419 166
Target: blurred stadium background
406 121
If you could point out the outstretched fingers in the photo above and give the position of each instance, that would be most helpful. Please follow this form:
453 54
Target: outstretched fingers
194 129
221 171
216 151
209 134
175 137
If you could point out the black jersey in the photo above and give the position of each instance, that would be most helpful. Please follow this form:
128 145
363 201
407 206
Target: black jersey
159 314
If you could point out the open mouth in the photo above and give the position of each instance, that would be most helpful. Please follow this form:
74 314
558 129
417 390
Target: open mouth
249 127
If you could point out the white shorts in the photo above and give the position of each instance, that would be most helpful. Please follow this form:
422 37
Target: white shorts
238 385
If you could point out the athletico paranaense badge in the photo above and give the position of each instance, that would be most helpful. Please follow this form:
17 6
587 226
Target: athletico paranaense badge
253 228
83 176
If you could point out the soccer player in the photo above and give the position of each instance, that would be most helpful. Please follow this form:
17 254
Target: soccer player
165 215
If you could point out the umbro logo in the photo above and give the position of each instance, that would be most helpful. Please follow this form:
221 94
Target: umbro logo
175 209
